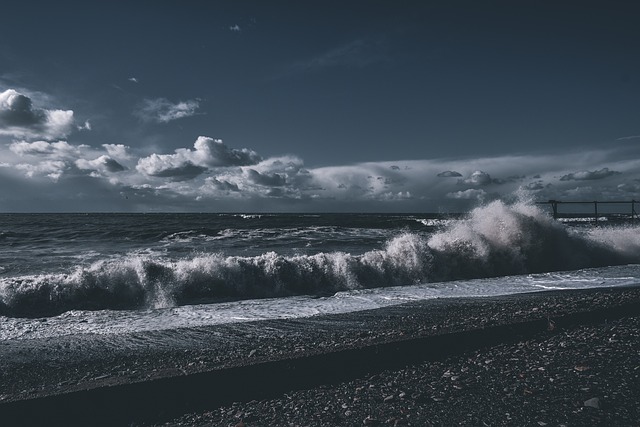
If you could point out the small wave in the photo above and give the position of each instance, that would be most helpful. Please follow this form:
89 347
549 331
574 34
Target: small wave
187 237
434 222
588 220
494 240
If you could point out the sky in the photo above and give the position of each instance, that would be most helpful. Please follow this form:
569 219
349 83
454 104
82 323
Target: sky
316 106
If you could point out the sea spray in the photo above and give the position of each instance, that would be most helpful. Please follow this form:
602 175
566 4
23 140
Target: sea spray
499 239
493 240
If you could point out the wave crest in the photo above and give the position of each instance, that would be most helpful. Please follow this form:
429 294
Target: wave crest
493 240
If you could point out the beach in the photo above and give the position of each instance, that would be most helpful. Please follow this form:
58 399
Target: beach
547 358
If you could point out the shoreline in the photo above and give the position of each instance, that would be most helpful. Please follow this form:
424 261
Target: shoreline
64 375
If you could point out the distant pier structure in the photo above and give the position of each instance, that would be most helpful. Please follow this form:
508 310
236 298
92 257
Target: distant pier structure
608 210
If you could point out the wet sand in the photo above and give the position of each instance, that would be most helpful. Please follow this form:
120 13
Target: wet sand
532 359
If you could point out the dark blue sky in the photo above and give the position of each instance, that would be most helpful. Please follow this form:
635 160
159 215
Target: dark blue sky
343 90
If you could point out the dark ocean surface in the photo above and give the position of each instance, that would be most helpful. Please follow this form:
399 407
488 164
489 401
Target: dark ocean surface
113 273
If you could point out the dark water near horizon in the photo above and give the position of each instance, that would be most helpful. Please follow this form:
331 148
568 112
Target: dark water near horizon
83 266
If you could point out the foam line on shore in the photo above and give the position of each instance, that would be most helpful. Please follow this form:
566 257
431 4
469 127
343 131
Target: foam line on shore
122 404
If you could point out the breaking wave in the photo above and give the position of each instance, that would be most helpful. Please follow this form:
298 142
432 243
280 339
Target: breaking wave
493 240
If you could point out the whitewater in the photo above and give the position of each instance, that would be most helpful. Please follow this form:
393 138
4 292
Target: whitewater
64 274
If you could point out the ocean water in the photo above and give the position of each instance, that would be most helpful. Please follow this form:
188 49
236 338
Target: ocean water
117 273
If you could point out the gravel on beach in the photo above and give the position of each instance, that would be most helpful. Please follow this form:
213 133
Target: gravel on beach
585 376
582 374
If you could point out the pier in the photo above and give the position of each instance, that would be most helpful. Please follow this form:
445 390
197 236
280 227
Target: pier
601 209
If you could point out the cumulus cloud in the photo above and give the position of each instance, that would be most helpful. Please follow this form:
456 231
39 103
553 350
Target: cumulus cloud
283 176
103 163
59 148
470 194
52 169
589 175
449 174
478 178
400 195
265 179
187 164
161 110
214 152
169 166
118 151
19 118
55 159
221 184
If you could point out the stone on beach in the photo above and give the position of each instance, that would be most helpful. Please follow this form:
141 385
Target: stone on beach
594 402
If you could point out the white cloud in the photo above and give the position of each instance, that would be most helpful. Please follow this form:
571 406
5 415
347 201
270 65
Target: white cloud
85 126
265 179
213 152
118 151
589 175
235 28
20 119
103 163
162 110
57 149
470 194
172 166
16 109
478 178
221 185
400 195
53 169
187 164
55 159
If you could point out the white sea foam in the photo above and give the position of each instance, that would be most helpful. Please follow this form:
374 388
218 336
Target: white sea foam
124 321
249 216
434 222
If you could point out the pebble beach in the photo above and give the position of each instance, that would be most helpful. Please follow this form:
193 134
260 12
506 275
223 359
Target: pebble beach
550 358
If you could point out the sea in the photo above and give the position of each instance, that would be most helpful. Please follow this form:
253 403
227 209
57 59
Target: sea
117 273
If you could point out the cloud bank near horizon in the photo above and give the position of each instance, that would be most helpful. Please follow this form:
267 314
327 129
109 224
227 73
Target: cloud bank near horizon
214 176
